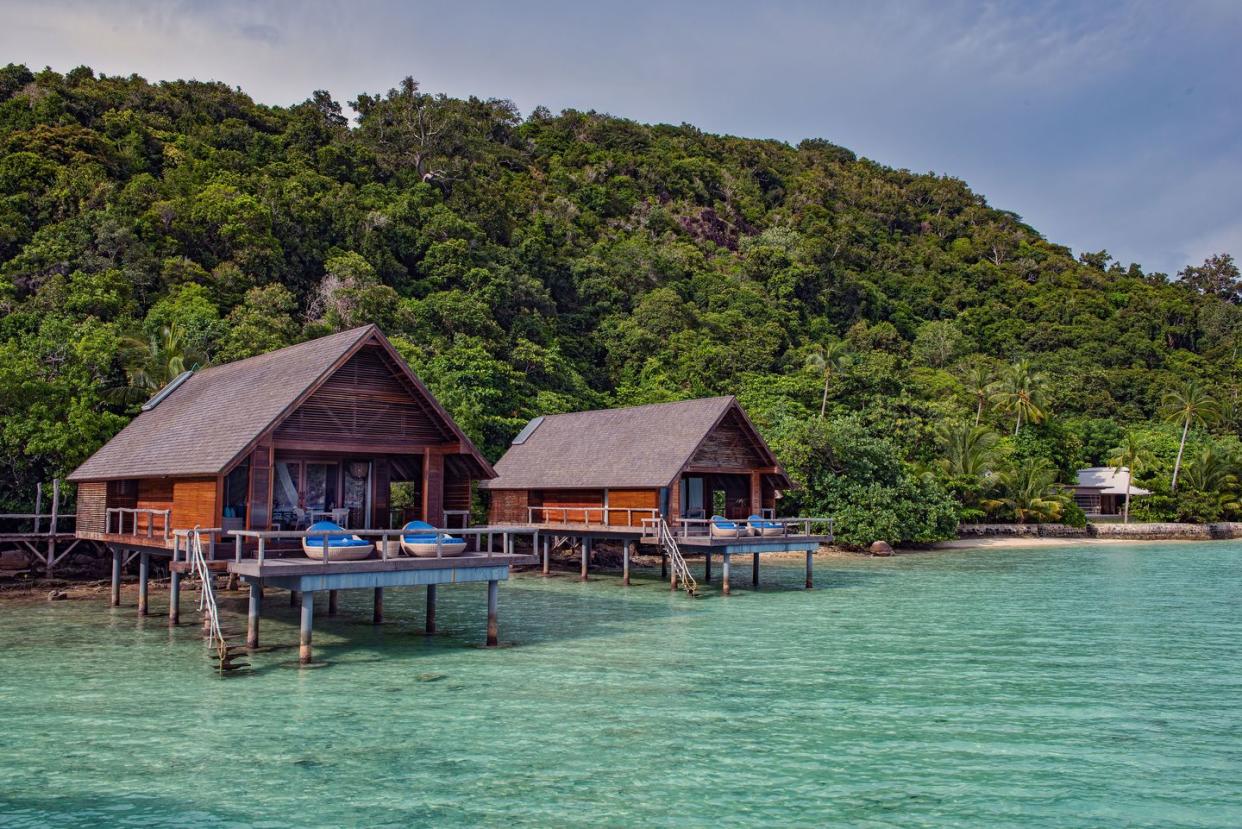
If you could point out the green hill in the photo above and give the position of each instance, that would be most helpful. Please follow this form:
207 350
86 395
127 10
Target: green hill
555 262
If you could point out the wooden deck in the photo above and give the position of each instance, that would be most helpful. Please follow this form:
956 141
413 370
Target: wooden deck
305 574
691 544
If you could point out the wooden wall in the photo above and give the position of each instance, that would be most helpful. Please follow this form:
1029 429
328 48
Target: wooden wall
363 402
728 447
631 499
92 506
507 506
457 494
259 503
194 503
154 493
573 501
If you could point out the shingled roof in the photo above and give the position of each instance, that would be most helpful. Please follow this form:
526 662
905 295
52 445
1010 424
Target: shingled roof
639 446
202 426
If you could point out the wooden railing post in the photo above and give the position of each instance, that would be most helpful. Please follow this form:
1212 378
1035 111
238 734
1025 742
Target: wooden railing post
55 502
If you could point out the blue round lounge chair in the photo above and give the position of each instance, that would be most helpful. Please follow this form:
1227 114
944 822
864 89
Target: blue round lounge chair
343 547
724 528
761 526
418 538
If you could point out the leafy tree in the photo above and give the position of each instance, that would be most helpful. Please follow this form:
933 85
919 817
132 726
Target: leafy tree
1020 390
1187 405
1217 276
153 362
1028 492
1131 458
828 361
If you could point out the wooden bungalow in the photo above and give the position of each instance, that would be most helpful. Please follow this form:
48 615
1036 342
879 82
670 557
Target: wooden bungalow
615 467
318 430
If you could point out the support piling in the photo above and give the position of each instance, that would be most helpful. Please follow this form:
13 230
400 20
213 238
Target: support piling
810 564
754 571
116 578
252 615
586 556
724 574
144 572
625 564
707 568
493 591
304 633
377 616
332 602
547 542
174 600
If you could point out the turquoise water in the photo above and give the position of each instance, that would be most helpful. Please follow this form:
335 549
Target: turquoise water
1091 686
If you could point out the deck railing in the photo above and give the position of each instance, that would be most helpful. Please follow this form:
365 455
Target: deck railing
604 514
388 540
121 512
785 527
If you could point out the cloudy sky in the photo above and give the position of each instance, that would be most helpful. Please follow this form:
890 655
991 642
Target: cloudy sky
1112 125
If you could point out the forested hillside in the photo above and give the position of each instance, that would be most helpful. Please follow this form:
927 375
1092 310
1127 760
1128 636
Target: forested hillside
962 363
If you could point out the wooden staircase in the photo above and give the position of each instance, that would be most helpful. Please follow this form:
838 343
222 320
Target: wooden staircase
224 655
681 570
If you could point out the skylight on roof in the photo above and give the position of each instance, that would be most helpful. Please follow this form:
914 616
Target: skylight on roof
159 396
527 431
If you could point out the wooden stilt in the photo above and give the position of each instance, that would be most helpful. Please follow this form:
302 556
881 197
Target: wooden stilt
174 600
586 556
431 608
293 598
252 616
332 602
754 571
707 568
116 578
144 572
724 574
547 545
663 565
493 591
810 565
304 634
377 616
625 564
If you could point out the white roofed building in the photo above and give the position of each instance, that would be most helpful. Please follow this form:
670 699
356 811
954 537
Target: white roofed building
1101 490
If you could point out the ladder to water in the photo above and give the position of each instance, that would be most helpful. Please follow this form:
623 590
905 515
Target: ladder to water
224 654
681 570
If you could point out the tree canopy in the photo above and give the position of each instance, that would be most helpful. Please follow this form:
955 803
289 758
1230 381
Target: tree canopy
556 262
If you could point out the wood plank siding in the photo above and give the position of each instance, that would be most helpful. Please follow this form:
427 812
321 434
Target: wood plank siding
92 506
362 405
635 499
508 506
568 506
728 447
194 503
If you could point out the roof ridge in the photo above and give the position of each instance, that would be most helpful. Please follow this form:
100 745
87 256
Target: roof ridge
642 406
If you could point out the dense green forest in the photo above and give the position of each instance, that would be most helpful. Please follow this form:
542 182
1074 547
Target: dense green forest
915 356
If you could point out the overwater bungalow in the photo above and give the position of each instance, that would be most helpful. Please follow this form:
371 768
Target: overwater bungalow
256 451
691 477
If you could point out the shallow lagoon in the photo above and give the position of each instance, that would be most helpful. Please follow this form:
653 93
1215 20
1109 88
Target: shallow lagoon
1077 686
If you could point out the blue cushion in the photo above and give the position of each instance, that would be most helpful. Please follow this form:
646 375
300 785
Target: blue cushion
762 523
333 540
723 523
430 538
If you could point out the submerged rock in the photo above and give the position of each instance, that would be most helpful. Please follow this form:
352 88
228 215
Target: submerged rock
881 548
57 596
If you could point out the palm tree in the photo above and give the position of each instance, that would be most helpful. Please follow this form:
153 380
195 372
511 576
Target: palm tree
829 360
1210 471
1133 458
151 363
967 450
1030 491
1188 404
979 378
1021 391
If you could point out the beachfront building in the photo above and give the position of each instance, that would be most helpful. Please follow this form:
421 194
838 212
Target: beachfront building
256 451
1101 490
695 472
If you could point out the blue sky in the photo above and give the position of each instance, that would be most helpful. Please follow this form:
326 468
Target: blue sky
1112 125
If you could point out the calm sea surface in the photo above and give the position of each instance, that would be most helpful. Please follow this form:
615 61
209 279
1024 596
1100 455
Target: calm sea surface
1069 687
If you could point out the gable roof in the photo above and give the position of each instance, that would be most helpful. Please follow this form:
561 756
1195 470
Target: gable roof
1108 480
207 421
639 446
